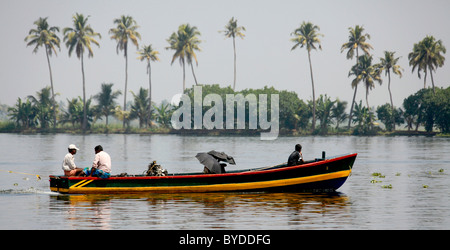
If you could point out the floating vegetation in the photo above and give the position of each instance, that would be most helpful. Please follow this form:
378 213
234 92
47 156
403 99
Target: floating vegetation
379 175
387 186
397 174
425 186
441 170
375 181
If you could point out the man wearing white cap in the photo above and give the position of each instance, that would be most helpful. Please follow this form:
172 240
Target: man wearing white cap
68 165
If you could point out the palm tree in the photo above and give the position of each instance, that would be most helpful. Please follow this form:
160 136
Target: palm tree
356 40
387 63
77 110
307 36
44 35
74 112
106 100
184 42
140 107
43 105
164 114
23 113
151 55
124 32
426 56
233 30
79 38
367 73
338 112
324 109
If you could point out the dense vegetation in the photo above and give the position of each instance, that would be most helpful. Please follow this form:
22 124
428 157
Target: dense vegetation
424 108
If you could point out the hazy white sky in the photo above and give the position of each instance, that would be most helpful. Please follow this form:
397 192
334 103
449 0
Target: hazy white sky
264 57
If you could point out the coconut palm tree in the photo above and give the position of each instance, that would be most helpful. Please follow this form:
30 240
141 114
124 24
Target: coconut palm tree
44 35
43 105
233 30
80 38
185 42
106 100
23 113
367 73
427 56
77 110
356 41
164 114
151 55
324 109
307 35
123 33
140 108
388 63
338 112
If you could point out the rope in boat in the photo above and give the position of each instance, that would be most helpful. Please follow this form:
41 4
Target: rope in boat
12 172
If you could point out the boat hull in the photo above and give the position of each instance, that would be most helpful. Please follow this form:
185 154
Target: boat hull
319 176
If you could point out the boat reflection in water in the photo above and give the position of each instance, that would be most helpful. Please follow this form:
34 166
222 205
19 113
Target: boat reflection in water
205 211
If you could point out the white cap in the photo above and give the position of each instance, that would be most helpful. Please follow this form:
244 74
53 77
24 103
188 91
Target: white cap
72 146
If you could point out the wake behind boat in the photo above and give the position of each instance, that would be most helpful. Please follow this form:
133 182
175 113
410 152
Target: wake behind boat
319 175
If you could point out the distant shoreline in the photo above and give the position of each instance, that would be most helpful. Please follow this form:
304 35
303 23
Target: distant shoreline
217 132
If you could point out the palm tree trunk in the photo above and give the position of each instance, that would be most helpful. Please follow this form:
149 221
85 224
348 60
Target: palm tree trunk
351 109
184 77
149 94
83 127
432 81
195 78
234 48
367 99
354 94
425 79
392 103
313 93
53 92
126 86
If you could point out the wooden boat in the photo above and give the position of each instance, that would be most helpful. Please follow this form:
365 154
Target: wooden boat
319 175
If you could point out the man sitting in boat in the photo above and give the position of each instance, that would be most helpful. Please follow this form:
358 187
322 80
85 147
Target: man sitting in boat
296 158
101 167
68 165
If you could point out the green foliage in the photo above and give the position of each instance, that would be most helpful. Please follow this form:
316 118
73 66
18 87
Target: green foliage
164 115
106 101
364 119
140 107
427 56
428 109
385 115
185 42
74 112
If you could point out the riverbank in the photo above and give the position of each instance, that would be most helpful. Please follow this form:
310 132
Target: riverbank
7 127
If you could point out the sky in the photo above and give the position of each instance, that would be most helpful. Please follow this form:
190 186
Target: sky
264 56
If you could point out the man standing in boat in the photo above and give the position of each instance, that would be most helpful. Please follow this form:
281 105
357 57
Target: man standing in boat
296 158
101 167
68 165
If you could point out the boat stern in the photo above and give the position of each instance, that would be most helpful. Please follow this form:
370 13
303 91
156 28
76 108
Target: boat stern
59 184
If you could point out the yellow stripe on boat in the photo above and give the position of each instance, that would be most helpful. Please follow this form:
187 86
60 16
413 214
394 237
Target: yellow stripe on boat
81 184
79 187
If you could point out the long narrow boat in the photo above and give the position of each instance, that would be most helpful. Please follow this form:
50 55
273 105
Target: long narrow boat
319 175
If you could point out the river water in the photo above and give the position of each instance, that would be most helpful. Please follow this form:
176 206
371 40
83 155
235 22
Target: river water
411 191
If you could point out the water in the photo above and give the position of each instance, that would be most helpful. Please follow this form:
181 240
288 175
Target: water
416 169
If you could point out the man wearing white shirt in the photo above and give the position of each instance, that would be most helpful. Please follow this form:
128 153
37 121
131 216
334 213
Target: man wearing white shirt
68 165
101 167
